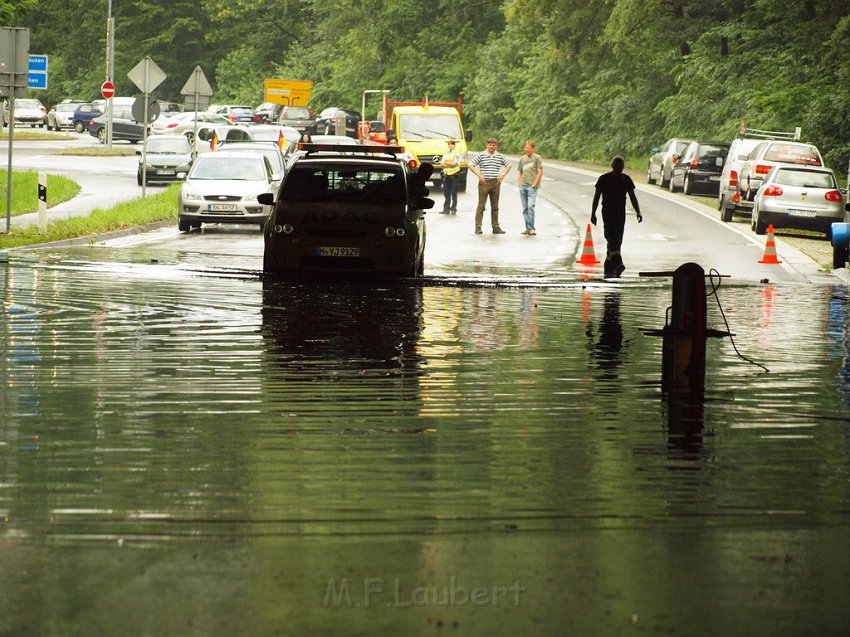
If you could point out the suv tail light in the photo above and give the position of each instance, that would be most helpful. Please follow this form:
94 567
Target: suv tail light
772 191
762 169
834 195
674 159
733 178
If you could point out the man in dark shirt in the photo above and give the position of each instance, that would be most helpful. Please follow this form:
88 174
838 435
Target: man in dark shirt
613 187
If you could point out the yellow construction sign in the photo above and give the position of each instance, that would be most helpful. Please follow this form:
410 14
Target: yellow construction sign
288 92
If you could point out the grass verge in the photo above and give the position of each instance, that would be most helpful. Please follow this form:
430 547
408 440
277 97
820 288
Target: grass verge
128 214
25 190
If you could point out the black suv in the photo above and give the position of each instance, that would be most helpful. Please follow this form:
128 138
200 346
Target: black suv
326 122
347 210
699 168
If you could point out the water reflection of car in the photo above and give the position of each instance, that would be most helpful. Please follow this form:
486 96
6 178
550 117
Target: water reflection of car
355 210
124 126
699 168
223 188
166 157
798 197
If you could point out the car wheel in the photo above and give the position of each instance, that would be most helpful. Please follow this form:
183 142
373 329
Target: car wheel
649 178
664 183
101 135
840 257
687 188
190 136
78 126
725 213
183 226
670 184
757 224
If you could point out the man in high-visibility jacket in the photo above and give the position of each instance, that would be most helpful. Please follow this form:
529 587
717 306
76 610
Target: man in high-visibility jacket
451 168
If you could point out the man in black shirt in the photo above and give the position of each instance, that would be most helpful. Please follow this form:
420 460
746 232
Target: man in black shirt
613 187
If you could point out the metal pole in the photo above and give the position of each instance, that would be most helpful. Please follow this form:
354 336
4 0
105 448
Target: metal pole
145 133
197 72
110 71
13 70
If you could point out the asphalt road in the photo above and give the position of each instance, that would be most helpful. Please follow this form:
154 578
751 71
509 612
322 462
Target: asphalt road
676 228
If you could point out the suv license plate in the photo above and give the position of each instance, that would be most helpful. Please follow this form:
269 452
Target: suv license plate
338 252
166 172
221 207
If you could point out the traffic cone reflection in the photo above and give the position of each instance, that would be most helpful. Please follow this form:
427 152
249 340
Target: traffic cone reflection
770 248
588 255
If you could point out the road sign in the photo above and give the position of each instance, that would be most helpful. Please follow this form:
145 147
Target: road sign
147 75
138 110
38 63
107 89
14 54
197 84
288 92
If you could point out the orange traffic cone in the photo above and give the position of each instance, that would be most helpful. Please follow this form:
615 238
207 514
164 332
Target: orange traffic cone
588 255
770 248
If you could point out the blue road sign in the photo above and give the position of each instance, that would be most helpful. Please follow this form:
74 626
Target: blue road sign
37 72
38 63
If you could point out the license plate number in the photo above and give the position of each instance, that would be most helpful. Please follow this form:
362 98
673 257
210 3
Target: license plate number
166 172
713 178
221 207
802 213
338 252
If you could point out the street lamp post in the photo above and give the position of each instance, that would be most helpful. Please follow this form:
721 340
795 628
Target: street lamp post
110 69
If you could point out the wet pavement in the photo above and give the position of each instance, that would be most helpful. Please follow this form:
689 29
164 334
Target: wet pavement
197 452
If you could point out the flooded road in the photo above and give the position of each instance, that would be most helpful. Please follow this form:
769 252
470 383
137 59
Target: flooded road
197 452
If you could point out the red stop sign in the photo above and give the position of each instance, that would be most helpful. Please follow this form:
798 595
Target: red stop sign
107 89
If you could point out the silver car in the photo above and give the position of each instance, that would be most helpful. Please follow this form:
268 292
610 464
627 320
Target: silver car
769 154
660 167
26 112
61 116
223 188
185 123
798 197
269 150
166 158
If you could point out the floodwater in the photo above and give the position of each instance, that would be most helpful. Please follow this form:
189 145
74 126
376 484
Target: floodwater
193 454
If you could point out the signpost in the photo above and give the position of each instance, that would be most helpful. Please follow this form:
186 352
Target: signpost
147 76
199 90
107 89
288 92
37 77
14 63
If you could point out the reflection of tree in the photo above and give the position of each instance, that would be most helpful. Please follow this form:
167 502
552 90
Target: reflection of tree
606 349
351 334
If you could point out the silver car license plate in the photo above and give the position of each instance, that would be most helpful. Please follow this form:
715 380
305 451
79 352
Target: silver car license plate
222 207
801 213
337 252
166 172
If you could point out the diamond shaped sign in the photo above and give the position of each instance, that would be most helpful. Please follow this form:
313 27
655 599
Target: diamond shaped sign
147 75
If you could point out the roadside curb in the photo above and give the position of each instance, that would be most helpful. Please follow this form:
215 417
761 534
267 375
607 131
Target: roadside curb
94 238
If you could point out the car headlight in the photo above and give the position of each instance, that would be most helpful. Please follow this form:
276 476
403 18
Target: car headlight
189 194
183 168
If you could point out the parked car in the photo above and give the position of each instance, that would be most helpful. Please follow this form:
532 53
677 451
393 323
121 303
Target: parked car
727 195
239 114
124 126
185 123
269 112
326 122
212 136
699 168
299 117
768 154
169 109
347 214
84 114
27 111
661 162
61 116
223 188
166 158
803 197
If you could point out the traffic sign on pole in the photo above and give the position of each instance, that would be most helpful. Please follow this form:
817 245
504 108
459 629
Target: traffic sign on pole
37 71
107 89
147 75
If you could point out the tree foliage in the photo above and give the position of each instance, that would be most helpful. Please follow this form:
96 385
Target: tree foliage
585 78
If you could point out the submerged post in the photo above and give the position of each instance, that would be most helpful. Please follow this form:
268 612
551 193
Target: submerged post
683 353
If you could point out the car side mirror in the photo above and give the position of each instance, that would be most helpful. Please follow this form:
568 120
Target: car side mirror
655 149
276 176
138 152
424 203
266 198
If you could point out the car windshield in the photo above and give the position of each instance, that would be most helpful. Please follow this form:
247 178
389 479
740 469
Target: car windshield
681 146
711 152
348 184
231 168
26 104
168 145
66 108
805 178
429 126
296 112
788 154
241 110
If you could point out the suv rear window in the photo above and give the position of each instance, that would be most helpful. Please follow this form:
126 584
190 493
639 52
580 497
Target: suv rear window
296 111
788 154
344 183
804 178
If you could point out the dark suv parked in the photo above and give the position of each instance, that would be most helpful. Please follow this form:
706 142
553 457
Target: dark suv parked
699 168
